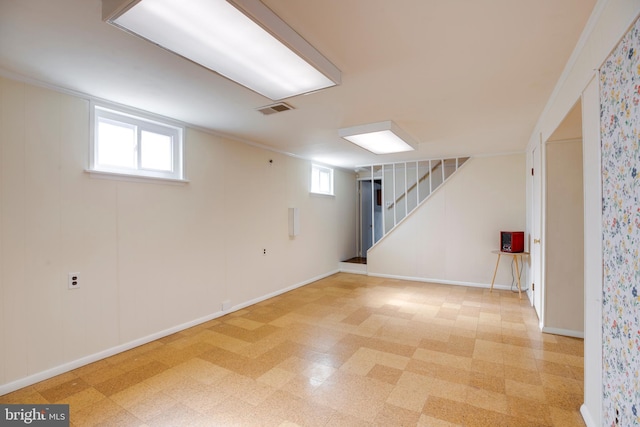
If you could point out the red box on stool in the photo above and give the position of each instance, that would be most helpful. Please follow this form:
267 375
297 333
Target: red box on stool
512 241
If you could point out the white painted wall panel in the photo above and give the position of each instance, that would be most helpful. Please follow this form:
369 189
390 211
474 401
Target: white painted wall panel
14 199
451 236
42 231
2 296
12 230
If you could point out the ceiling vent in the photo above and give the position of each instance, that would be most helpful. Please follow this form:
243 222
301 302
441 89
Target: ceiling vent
275 108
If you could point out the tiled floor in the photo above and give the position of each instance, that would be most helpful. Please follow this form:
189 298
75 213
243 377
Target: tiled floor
347 350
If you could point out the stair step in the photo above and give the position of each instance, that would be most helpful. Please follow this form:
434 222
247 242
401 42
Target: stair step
353 267
357 260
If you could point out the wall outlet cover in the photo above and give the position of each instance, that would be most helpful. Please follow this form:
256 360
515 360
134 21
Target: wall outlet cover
73 280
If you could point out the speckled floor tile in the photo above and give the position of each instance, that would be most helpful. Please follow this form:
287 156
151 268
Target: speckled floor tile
348 350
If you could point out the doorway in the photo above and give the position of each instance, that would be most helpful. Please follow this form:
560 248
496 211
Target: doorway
370 204
536 227
560 254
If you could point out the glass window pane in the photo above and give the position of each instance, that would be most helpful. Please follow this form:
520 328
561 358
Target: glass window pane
325 181
116 144
315 180
321 180
156 151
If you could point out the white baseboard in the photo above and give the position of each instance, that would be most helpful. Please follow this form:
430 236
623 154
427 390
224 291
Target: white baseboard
443 282
279 292
586 416
75 364
565 332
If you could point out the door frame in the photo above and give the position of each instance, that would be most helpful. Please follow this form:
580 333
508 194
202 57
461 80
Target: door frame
536 231
365 216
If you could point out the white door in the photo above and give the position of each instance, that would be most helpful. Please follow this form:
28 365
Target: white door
536 226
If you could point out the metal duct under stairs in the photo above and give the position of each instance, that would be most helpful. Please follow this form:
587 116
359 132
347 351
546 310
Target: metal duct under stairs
388 193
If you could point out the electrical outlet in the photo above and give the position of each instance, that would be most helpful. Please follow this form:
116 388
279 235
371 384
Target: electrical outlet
73 280
264 252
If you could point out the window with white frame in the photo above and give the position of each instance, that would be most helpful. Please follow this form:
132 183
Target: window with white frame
321 180
131 144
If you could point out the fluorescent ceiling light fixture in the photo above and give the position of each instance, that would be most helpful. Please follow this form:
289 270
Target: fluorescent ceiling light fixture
242 40
379 138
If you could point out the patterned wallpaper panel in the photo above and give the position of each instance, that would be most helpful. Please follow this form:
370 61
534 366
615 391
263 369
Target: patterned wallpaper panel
620 135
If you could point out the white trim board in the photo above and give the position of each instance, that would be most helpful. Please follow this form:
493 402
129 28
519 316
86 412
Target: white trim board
564 332
444 282
586 416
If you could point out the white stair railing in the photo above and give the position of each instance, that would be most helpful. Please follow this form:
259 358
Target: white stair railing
401 188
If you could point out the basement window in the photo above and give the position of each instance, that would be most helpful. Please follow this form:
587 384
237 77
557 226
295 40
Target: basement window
321 180
135 145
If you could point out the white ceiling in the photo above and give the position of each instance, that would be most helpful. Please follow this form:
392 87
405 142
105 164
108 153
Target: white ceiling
462 77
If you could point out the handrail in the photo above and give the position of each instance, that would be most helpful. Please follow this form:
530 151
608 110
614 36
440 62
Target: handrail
408 190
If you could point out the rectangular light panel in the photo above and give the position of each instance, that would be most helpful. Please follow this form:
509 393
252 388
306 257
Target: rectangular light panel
221 37
379 138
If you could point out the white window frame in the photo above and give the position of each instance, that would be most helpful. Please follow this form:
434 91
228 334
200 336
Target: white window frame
141 122
314 184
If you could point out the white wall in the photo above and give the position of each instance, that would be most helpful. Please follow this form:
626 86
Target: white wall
610 21
152 257
564 264
449 239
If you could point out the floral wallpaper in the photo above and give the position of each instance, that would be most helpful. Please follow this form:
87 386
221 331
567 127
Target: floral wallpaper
620 138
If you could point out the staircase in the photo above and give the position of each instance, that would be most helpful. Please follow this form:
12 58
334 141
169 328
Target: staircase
397 189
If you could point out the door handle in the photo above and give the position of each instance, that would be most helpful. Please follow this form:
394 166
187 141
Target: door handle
536 241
